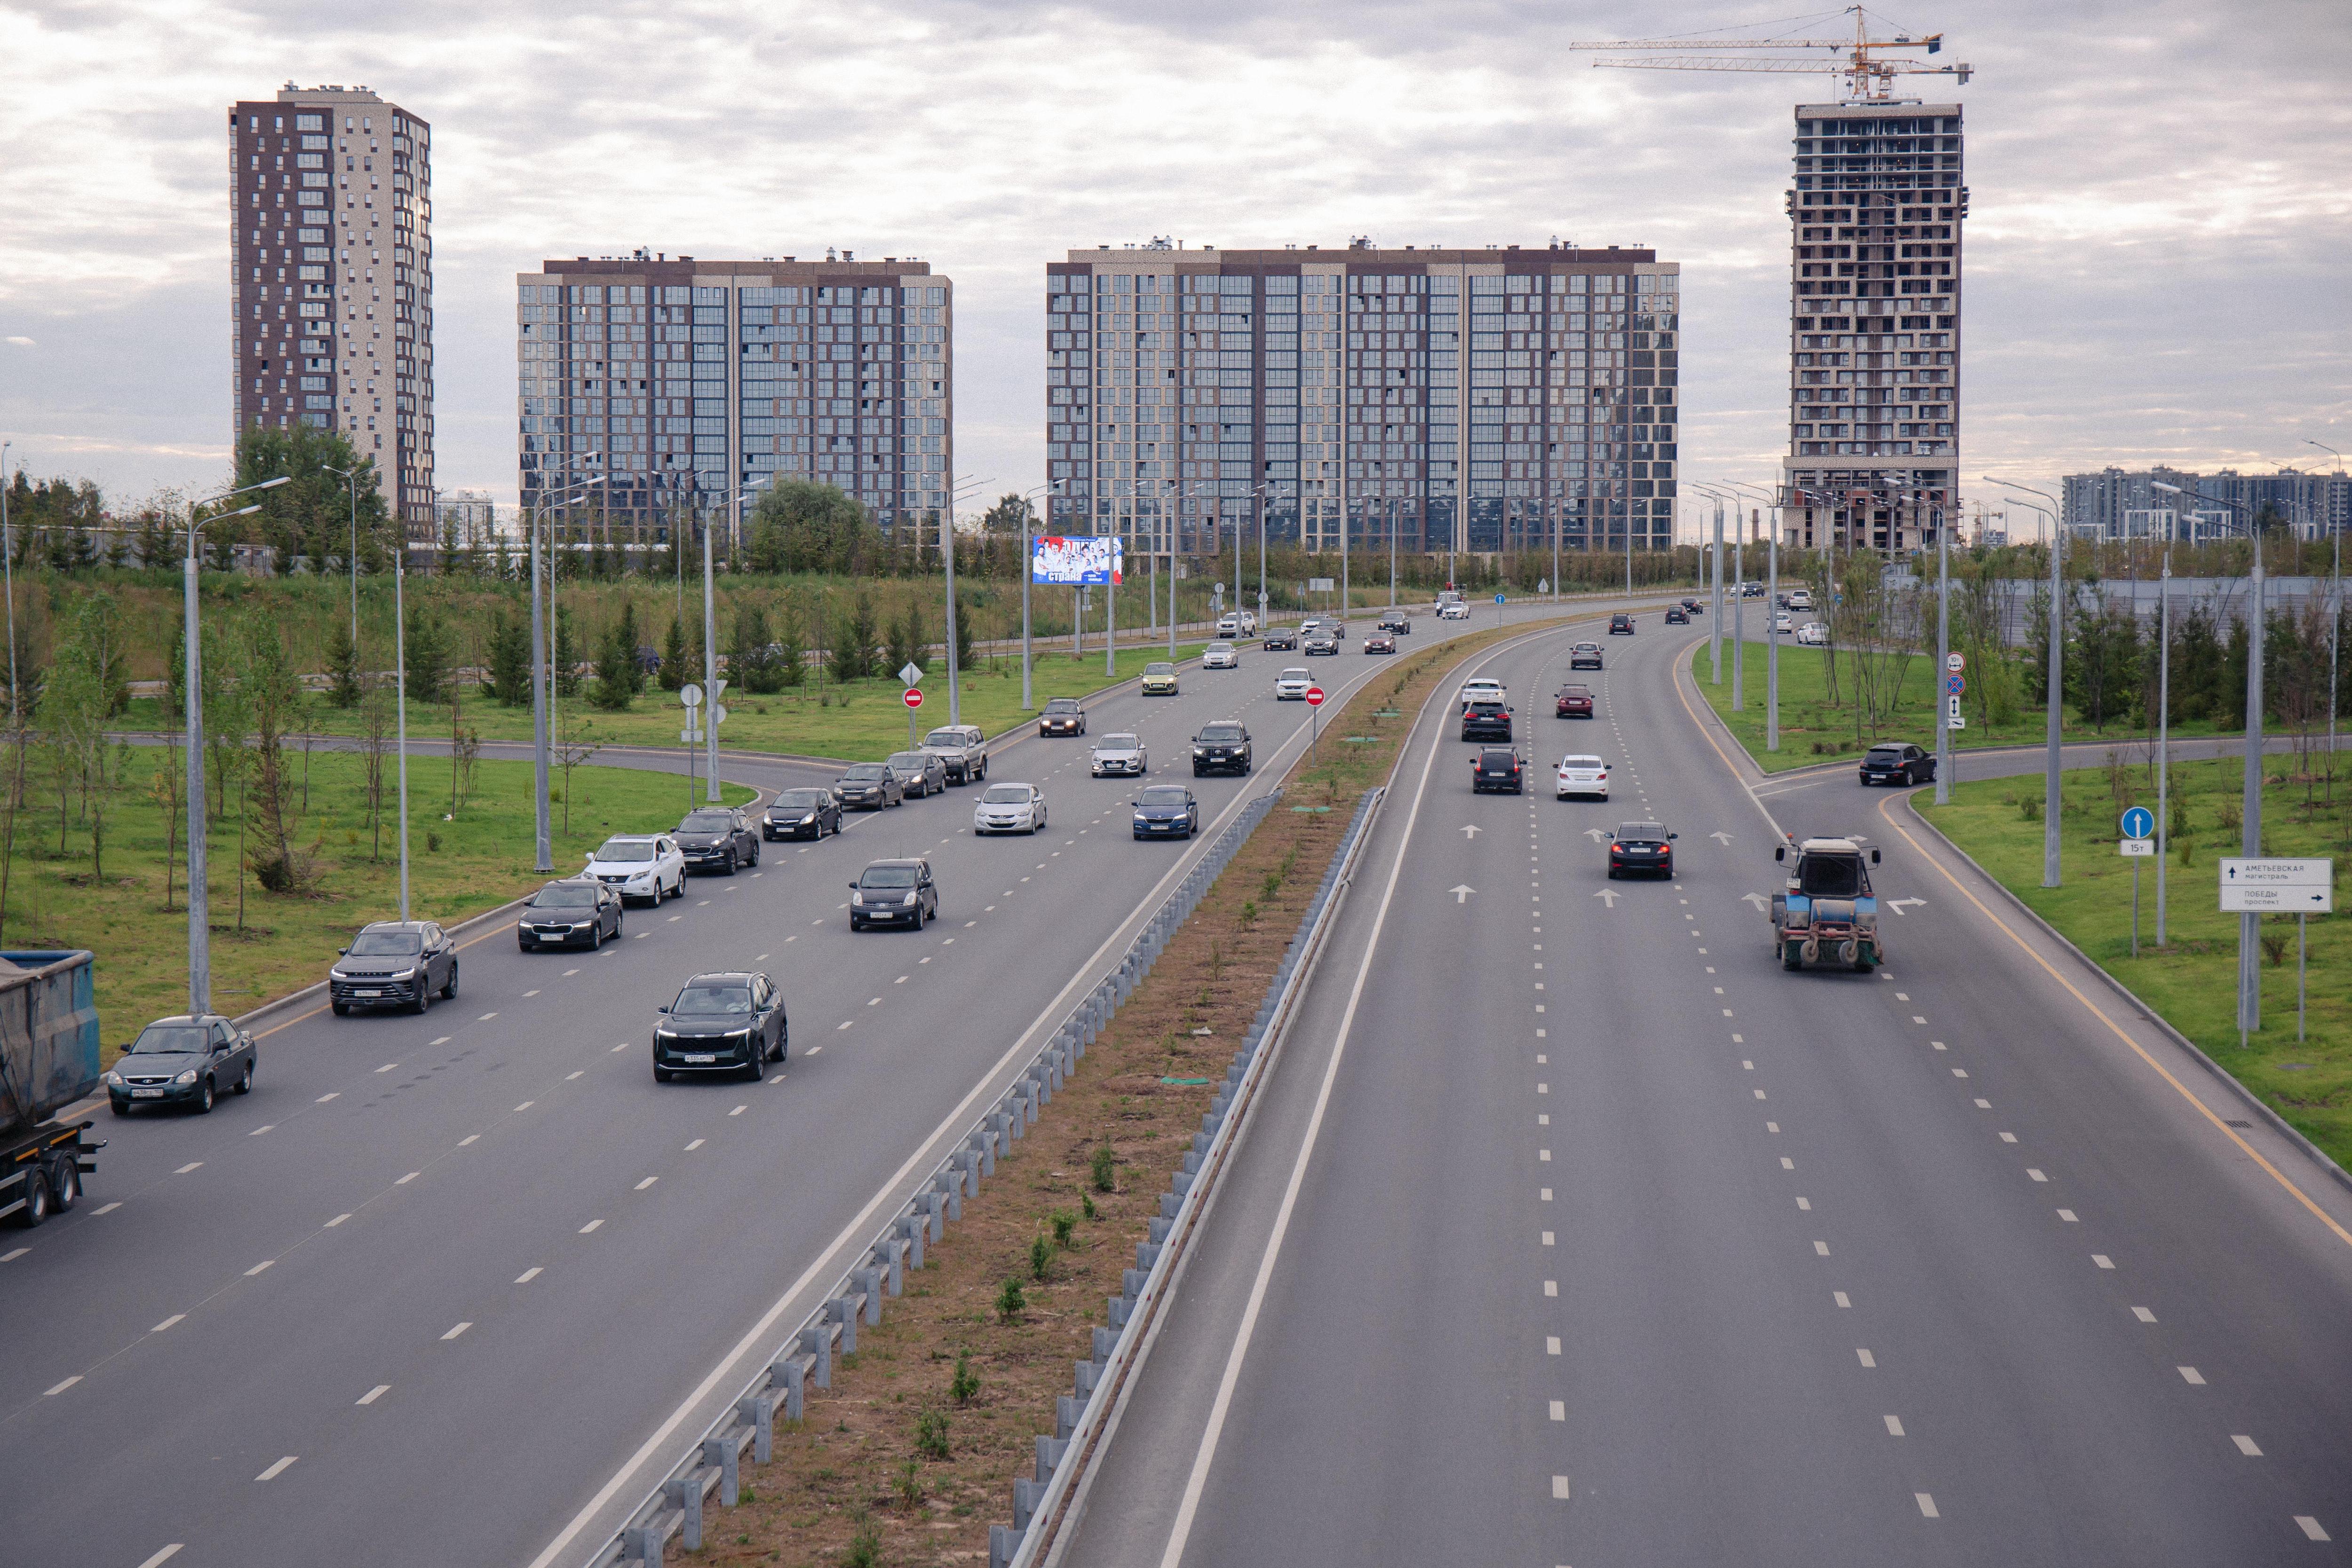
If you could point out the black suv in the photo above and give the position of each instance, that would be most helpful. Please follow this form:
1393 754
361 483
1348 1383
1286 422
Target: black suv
1621 625
870 786
1486 721
1497 768
725 1023
394 963
580 911
1063 716
894 892
182 1060
718 839
1280 637
1898 765
1224 745
802 814
1397 621
1676 615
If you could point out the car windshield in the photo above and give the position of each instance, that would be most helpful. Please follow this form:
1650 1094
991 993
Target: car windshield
385 943
1006 795
1498 759
865 773
943 738
1579 762
1221 731
888 877
1885 754
1641 833
799 800
1576 692
565 896
1061 705
915 760
168 1039
620 850
706 822
1118 743
712 1001
1162 667
1162 795
1487 708
1295 675
1587 647
1830 876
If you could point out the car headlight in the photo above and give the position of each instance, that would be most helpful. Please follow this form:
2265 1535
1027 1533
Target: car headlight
856 898
186 1077
664 1033
405 974
808 820
909 898
113 1080
337 974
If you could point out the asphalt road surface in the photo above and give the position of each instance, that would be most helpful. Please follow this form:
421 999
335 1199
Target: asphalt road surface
1574 1231
457 1288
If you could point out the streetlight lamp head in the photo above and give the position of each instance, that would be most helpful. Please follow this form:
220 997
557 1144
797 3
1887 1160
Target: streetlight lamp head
2160 485
241 512
270 485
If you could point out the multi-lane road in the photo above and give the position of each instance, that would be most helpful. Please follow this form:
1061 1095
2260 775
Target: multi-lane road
458 1288
1573 1230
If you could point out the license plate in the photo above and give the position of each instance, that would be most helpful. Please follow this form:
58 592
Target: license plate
701 1057
367 993
146 1094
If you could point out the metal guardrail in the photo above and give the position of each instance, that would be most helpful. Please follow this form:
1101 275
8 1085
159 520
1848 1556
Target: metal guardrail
711 1467
1040 1507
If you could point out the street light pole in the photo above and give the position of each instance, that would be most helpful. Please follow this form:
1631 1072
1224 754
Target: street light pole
8 574
2052 802
1028 570
709 675
2334 621
352 478
400 703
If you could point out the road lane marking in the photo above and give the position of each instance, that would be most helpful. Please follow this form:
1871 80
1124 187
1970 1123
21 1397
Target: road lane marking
1559 1410
408 1178
1560 1488
191 1165
174 1318
1543 1195
59 1388
526 1105
469 1138
2191 1376
2143 1314
1821 1249
591 1225
1926 1505
2311 1528
278 1470
528 1275
648 1182
1551 1286
2246 1445
1840 1299
459 1328
164 1557
2103 1260
1867 1359
2009 1137
2035 1174
1787 1163
1552 1344
698 1143
528 994
2068 1215
373 1394
570 1075
387 1067
742 1109
1895 1427
336 1221
1805 1204
259 1266
324 1097
260 1129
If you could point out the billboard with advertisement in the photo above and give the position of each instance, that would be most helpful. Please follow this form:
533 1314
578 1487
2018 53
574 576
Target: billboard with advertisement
1077 558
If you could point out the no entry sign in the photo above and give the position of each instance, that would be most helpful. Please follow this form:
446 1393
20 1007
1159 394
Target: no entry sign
913 698
1315 697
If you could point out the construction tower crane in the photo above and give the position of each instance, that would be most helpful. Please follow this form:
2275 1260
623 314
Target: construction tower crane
1868 78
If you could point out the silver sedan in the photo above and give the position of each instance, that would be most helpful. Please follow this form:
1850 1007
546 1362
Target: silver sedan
1120 756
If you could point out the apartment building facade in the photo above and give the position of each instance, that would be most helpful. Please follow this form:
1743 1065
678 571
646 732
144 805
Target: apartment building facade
331 279
650 387
1876 211
2119 503
1449 399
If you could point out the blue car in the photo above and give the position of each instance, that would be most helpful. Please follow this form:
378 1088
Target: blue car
1167 811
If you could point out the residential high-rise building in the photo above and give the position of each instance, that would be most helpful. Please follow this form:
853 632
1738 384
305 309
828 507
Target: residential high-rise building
332 247
1469 400
2117 503
1875 219
680 383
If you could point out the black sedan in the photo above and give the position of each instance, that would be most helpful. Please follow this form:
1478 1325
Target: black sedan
1644 846
727 1022
1167 811
802 814
1694 606
182 1060
922 774
580 913
1898 765
1224 746
718 839
894 892
1279 637
1063 716
1397 621
869 786
1676 615
394 963
1498 769
1584 655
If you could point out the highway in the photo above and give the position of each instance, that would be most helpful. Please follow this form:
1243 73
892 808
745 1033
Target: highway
457 1286
1575 1232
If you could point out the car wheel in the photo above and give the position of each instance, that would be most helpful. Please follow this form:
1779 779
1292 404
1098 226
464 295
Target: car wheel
751 1070
244 1084
342 1011
204 1100
449 990
663 1075
424 997
118 1107
65 1183
36 1200
1613 873
731 862
755 854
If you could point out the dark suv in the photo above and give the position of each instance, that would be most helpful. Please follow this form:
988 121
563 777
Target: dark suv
394 964
802 814
1497 768
1898 765
1486 721
722 1023
894 892
1224 744
1063 716
870 786
1574 702
1621 625
718 839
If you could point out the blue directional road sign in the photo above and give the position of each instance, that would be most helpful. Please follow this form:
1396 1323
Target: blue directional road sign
1498 598
2140 823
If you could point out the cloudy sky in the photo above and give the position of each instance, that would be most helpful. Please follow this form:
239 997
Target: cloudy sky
2158 265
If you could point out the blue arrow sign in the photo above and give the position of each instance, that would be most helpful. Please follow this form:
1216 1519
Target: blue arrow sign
2140 823
1498 598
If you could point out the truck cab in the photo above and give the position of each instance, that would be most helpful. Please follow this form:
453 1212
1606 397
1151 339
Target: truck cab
1826 912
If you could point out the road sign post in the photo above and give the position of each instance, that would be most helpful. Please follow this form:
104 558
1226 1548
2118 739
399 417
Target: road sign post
1313 702
2252 888
2138 824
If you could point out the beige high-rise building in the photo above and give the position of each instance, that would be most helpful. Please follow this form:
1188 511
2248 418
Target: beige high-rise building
332 267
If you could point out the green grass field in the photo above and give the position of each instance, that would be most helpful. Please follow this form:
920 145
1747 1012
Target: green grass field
1813 728
2192 982
265 945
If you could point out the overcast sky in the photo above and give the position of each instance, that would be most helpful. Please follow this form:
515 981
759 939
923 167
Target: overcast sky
2157 267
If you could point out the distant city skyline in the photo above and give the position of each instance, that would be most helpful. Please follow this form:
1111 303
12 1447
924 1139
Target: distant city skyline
2160 285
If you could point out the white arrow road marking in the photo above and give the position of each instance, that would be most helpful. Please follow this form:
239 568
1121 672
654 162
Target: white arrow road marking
1609 895
1462 892
1758 899
1722 838
1469 830
1598 835
1896 904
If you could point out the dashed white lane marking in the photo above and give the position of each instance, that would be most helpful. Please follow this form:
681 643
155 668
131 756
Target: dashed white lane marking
459 1328
1866 1357
1984 1105
1926 1505
1840 1298
526 1105
1551 1286
469 1138
1552 1344
1917 1019
2247 1446
373 1394
1559 1410
648 1182
591 1225
164 1557
1895 1427
742 1109
61 1388
260 1129
1560 1488
698 1143
1821 1249
2191 1376
2311 1528
2143 1314
278 1470
1546 1238
2068 1215
2009 1137
570 1075
336 1221
622 1047
2035 1174
175 1318
259 1266
674 919
528 994
408 1178
1805 1204
2103 1260
389 1066
324 1097
1787 1163
1959 1072
186 1168
528 1275
567 974
106 1208
1544 1154
1543 1195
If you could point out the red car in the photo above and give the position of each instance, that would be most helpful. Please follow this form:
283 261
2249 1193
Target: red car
1574 702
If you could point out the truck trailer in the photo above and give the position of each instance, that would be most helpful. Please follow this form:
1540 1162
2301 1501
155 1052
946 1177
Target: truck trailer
48 1059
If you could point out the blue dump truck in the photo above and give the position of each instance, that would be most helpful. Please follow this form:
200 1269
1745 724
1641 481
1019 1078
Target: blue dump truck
1826 913
48 1059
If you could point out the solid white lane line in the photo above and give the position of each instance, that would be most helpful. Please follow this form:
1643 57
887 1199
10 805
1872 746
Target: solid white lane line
460 1329
2247 1446
275 1470
373 1394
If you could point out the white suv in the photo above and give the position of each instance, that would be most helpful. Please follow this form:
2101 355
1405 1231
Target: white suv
1229 626
1482 689
649 867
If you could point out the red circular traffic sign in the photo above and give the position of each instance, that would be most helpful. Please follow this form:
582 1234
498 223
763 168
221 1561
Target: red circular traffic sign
1315 697
913 698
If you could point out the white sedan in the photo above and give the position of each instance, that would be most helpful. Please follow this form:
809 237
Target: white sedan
1291 686
1783 624
1813 634
650 866
1009 808
1582 775
1120 756
1219 655
1482 689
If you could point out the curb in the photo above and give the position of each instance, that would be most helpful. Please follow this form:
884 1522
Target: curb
2319 1157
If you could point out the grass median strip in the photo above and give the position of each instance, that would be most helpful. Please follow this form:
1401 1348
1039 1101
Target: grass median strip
911 1455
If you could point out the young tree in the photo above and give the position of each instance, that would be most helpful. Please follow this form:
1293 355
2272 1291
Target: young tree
748 661
309 517
377 724
509 669
342 667
428 656
273 695
618 674
854 637
964 655
787 669
674 669
567 655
